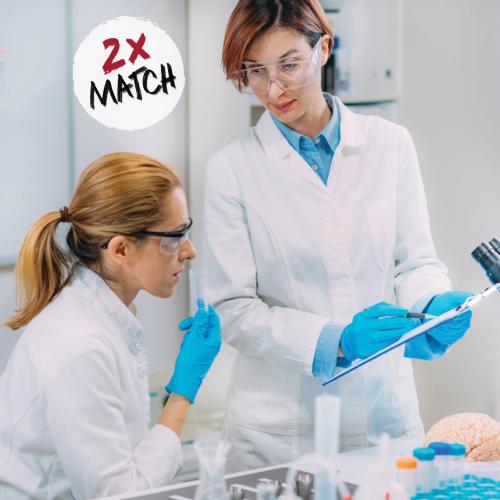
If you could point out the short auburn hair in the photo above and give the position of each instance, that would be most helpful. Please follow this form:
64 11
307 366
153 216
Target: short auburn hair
252 18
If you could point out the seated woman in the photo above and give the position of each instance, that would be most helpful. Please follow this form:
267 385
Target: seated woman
74 405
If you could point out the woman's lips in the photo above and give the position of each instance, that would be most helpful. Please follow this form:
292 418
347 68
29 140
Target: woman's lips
177 275
284 106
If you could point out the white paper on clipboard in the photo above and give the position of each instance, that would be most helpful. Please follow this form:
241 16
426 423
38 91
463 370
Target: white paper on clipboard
453 313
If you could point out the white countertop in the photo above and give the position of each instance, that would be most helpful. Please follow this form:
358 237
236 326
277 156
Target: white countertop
352 465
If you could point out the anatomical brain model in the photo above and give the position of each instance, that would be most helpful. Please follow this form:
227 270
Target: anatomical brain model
478 432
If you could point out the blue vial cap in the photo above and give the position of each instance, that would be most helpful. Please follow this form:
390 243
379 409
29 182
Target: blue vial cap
440 448
424 454
457 450
486 480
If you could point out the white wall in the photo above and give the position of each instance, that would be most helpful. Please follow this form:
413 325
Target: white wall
7 306
166 141
450 103
217 115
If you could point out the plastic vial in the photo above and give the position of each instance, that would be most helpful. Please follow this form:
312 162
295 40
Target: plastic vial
456 464
441 461
236 492
407 468
426 475
267 489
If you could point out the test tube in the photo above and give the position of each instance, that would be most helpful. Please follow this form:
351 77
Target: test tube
236 492
407 467
197 289
441 461
304 485
456 464
426 480
267 489
326 443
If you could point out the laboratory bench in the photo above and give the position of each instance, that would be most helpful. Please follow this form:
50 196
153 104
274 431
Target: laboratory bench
353 466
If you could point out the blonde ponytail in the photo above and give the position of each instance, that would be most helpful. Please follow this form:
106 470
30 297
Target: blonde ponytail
42 270
120 193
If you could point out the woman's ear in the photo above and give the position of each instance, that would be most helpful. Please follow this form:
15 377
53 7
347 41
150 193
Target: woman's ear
118 249
326 49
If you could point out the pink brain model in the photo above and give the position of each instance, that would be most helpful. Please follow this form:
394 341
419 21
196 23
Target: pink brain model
479 433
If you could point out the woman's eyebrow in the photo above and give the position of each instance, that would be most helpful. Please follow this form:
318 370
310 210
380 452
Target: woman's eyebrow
176 228
286 54
181 226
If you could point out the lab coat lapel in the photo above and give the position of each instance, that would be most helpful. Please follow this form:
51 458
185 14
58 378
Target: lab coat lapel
279 151
346 168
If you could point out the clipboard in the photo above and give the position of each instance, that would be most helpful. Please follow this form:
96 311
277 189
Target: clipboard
470 303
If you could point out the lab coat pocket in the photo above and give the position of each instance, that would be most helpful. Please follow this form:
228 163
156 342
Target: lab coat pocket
381 216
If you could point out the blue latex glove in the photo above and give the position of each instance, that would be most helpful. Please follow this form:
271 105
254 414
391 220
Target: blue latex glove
198 349
373 329
449 332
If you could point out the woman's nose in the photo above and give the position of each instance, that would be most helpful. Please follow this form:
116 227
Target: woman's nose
274 90
188 251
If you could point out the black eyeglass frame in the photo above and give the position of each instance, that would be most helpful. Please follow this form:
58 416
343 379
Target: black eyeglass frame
161 234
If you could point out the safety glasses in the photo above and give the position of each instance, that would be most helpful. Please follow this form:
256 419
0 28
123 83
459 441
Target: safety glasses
290 73
170 241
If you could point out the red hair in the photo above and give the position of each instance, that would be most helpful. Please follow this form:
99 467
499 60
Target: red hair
252 18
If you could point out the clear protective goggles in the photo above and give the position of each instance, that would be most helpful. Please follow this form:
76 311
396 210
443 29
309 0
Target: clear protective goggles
170 241
290 73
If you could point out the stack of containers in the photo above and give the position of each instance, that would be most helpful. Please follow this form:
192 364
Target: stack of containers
438 473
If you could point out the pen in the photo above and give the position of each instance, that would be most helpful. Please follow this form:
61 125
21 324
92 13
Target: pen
419 315
411 315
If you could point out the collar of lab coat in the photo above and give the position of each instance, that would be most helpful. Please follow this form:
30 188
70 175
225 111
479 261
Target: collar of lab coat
121 314
277 147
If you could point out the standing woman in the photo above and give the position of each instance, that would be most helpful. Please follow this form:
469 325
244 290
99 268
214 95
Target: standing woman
317 245
74 401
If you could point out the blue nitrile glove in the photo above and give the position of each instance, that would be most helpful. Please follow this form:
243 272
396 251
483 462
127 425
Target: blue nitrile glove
449 332
198 349
373 329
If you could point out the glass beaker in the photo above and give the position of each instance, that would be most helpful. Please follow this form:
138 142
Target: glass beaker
212 461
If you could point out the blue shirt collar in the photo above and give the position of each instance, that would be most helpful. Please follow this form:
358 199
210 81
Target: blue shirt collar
329 133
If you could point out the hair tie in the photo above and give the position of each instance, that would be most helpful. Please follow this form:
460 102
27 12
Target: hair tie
64 214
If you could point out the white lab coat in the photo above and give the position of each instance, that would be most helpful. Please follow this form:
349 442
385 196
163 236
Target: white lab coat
285 254
74 403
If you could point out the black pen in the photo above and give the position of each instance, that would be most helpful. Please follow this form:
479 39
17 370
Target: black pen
414 315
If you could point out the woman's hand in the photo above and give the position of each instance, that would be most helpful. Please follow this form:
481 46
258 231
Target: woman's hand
449 332
199 348
373 329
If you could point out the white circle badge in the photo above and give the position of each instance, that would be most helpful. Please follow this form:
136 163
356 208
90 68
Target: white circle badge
128 73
